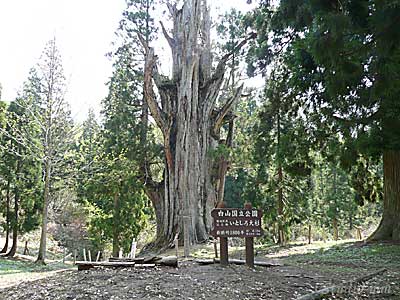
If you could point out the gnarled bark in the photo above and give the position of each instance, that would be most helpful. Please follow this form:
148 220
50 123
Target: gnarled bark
186 114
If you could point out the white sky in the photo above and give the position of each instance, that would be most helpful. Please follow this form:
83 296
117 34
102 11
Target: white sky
84 30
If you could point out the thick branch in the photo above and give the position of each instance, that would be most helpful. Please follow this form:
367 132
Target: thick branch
144 43
149 94
225 109
169 39
220 70
157 77
171 8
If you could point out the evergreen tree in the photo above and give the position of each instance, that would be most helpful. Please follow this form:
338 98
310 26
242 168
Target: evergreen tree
343 60
52 116
282 154
21 169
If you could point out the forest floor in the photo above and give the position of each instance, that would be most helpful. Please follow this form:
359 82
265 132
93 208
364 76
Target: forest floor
302 269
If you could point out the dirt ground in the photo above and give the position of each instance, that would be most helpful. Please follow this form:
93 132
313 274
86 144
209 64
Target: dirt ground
192 281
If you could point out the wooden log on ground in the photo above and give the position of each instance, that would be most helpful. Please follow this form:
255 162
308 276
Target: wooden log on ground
86 265
170 261
236 262
136 260
339 288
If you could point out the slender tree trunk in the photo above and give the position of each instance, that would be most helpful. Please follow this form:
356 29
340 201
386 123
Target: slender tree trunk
46 199
280 204
26 249
309 234
335 229
116 227
5 248
335 217
351 225
389 227
13 249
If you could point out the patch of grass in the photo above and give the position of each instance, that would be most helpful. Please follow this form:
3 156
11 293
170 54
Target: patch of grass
12 266
352 254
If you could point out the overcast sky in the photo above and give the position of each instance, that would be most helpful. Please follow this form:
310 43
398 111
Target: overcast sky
84 30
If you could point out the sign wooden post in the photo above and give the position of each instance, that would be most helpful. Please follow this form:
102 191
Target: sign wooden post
249 243
223 251
236 222
223 245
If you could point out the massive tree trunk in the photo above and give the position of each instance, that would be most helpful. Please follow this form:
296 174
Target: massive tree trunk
5 248
389 228
189 121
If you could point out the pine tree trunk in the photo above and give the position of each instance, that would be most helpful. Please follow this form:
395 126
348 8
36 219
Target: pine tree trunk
13 249
5 248
335 229
280 205
351 225
389 227
335 220
26 249
116 227
46 199
189 121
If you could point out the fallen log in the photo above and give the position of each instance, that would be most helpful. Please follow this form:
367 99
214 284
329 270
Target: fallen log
135 260
236 262
170 261
339 288
86 265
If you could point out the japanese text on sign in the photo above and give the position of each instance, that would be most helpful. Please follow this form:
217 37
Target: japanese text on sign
235 222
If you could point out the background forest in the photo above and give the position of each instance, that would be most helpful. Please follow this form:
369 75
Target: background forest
306 145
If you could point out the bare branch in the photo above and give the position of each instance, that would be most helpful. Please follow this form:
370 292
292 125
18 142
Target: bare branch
171 8
225 58
225 109
143 42
169 39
